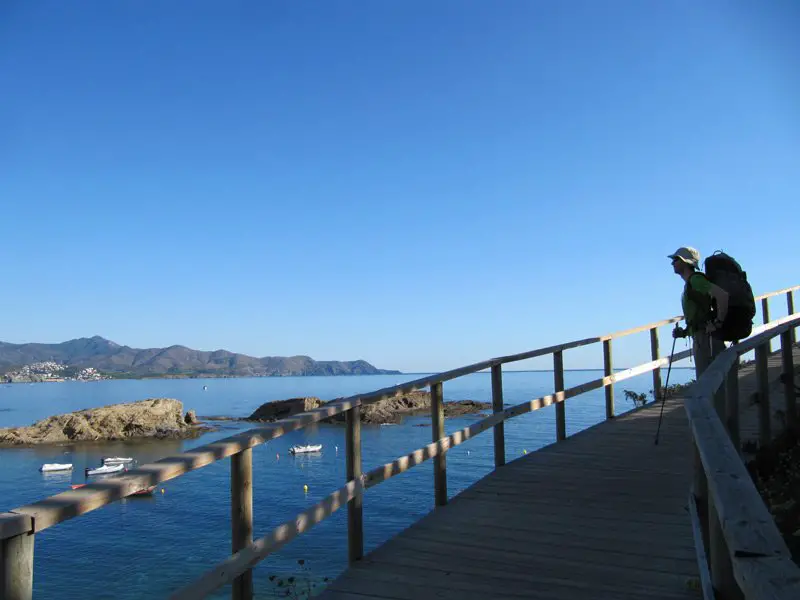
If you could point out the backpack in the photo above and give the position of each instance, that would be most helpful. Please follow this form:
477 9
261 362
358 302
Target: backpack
724 271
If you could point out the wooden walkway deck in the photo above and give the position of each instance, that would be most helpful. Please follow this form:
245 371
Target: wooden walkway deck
602 514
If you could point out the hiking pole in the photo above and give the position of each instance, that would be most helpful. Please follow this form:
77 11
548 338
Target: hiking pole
666 387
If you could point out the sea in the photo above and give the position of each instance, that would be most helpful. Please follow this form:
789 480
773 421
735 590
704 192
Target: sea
149 547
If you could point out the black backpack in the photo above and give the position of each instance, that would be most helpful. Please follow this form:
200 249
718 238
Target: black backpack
724 271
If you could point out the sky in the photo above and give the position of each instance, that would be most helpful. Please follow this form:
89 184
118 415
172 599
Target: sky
420 184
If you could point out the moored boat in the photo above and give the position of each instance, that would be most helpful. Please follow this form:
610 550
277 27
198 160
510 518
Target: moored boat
105 469
305 449
52 467
110 460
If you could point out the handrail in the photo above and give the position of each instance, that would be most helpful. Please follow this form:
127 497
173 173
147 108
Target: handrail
24 521
71 503
788 290
745 543
236 564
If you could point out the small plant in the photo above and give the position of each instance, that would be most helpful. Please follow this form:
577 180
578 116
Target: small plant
637 399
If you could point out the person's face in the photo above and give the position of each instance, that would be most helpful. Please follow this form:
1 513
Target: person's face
677 265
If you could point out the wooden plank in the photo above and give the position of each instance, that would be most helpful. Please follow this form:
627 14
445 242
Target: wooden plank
765 317
494 584
608 371
702 564
746 522
764 416
242 517
497 407
777 293
437 432
558 381
790 311
13 524
472 558
768 578
355 511
654 355
16 567
787 367
732 405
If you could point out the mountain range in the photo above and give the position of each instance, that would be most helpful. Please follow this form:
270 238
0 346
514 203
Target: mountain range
109 357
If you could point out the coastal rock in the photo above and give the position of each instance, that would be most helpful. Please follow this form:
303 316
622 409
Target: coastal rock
281 409
191 418
152 418
391 410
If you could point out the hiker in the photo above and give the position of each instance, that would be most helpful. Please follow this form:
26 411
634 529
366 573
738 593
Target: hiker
705 307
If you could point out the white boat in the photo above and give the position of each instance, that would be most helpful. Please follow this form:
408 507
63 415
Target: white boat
305 449
50 467
105 469
112 460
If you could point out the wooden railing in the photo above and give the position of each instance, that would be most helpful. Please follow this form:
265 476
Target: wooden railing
19 526
747 557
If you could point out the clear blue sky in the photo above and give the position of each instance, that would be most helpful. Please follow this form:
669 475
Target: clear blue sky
421 184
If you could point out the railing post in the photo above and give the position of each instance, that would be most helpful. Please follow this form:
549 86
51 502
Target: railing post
790 311
764 417
16 557
355 516
608 370
718 346
732 402
718 557
558 380
765 318
497 406
655 355
242 517
788 381
440 460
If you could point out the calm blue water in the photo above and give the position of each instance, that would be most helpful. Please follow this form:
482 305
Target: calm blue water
146 548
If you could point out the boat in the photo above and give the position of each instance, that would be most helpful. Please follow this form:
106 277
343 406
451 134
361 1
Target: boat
109 460
105 469
51 467
305 449
77 486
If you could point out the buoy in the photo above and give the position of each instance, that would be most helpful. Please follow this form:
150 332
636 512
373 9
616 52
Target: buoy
305 488
467 452
524 451
162 490
277 456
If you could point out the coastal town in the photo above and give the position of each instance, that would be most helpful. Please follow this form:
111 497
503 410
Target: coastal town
50 371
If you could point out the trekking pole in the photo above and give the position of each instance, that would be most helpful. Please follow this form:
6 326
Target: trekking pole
666 387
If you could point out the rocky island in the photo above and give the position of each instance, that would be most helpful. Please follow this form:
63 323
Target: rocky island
389 410
155 418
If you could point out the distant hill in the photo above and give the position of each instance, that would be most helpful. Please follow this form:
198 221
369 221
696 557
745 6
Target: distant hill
104 355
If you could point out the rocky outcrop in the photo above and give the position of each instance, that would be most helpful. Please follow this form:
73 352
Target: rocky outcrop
281 409
191 418
389 410
152 418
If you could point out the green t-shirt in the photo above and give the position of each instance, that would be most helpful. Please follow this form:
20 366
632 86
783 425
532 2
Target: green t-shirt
696 301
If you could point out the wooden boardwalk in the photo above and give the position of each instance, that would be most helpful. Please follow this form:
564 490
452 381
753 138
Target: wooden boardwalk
602 514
